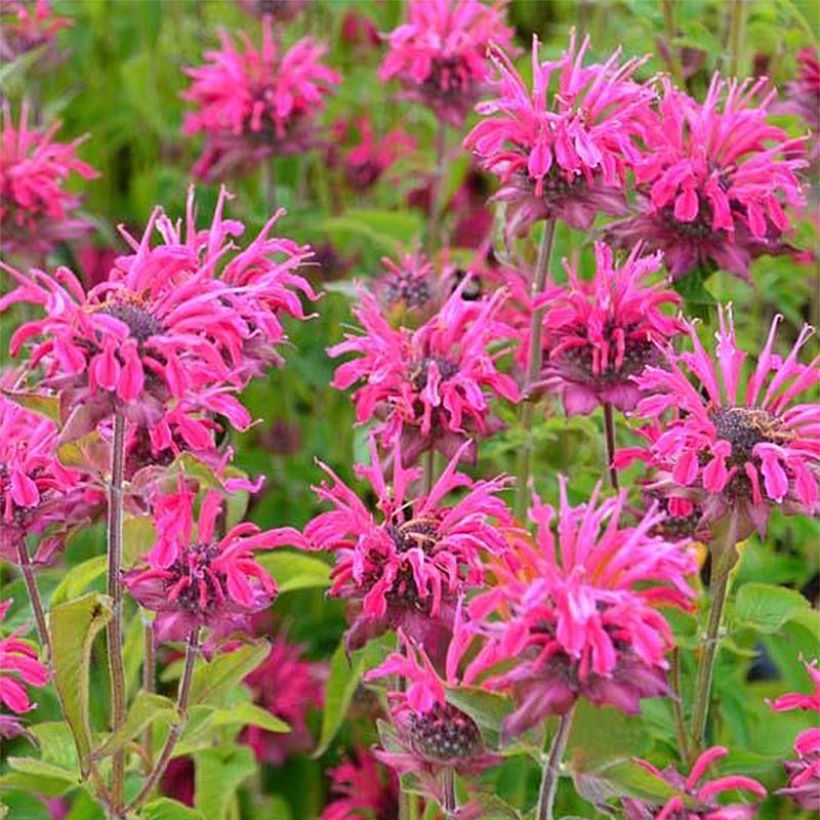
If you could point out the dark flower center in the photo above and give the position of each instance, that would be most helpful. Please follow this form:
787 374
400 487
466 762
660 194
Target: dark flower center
744 428
198 587
444 733
406 287
420 370
577 362
416 533
141 323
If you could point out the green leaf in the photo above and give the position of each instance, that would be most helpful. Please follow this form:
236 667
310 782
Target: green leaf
388 229
37 776
295 570
138 536
487 709
48 406
618 779
89 452
601 733
213 680
248 714
78 579
766 607
219 773
167 809
73 626
145 709
345 673
56 744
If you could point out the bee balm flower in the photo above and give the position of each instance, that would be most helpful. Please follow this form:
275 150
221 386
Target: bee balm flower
733 450
578 613
716 178
562 155
439 53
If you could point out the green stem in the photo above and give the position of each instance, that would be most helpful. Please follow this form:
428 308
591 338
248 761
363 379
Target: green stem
34 596
183 697
433 227
737 25
609 435
539 279
675 67
450 801
552 768
149 685
116 667
429 471
724 556
269 185
677 707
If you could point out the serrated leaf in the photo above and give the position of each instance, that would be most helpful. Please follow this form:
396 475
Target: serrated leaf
78 579
487 709
48 406
212 680
219 773
295 570
56 744
766 607
145 709
89 452
167 809
38 776
248 714
73 626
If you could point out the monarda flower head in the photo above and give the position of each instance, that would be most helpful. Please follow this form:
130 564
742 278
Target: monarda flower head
407 288
804 773
19 665
432 734
26 25
361 787
429 386
254 103
286 685
562 153
408 567
716 178
36 212
439 53
600 334
183 323
38 496
193 578
734 451
577 614
696 800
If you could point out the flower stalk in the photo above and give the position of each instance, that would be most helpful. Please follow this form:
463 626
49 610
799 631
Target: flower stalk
450 801
34 596
609 434
539 279
116 667
433 229
183 697
724 557
552 768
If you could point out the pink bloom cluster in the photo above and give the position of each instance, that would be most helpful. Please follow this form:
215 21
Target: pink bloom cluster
407 286
578 613
716 177
427 385
732 450
26 25
563 155
696 800
360 788
35 208
287 686
439 53
195 579
18 665
409 568
38 496
172 333
253 103
804 773
600 334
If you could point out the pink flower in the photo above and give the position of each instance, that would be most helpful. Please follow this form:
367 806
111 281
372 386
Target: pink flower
600 334
287 686
803 99
370 157
439 53
361 787
733 451
18 665
804 773
35 209
176 329
563 156
579 615
26 25
178 780
430 385
254 103
37 494
196 579
408 568
696 800
716 178
407 286
359 30
432 733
